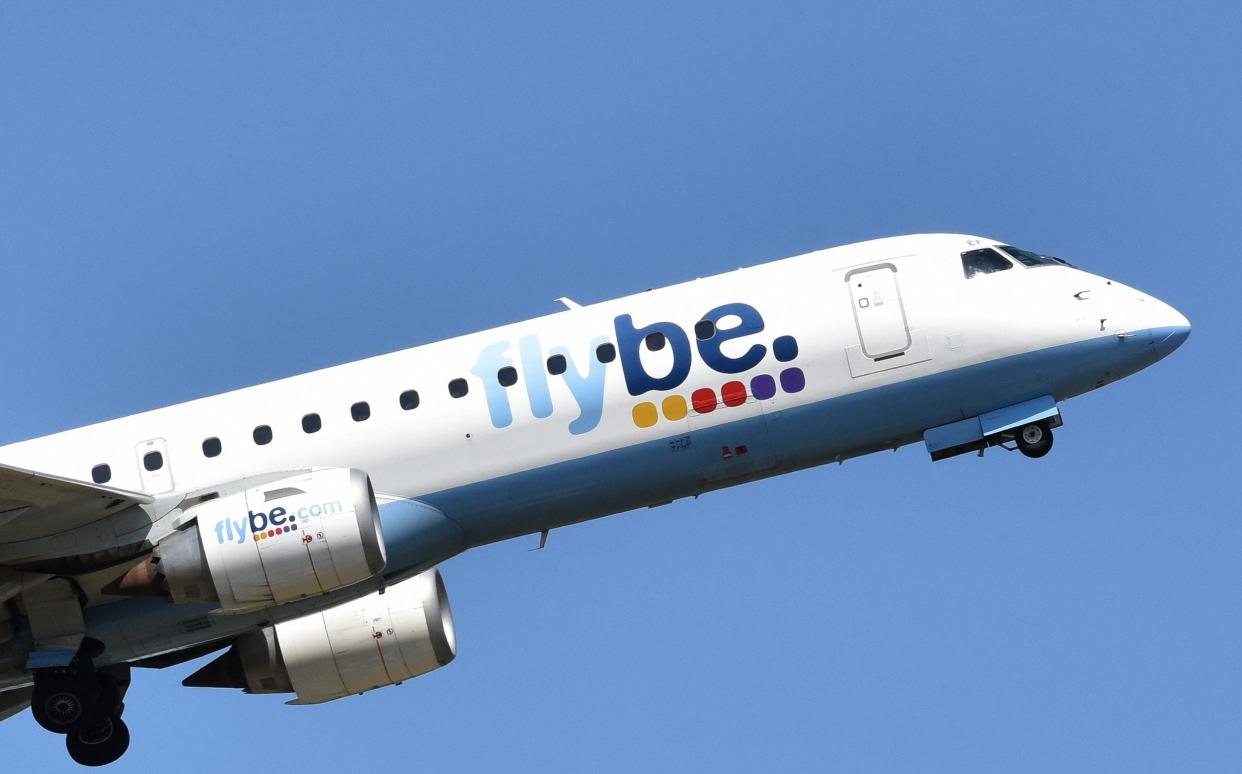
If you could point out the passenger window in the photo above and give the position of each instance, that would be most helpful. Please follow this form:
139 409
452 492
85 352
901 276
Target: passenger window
212 447
311 423
360 411
655 341
507 376
704 330
985 261
101 474
606 353
458 388
263 435
409 399
153 461
556 365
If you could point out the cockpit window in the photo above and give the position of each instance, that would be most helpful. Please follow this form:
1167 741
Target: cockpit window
984 261
1034 259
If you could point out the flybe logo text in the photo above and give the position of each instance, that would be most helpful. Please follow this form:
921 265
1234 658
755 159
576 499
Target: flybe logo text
585 378
278 521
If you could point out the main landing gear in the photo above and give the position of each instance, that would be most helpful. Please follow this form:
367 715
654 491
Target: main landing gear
85 704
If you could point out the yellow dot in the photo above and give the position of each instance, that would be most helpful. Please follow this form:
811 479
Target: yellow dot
645 414
675 407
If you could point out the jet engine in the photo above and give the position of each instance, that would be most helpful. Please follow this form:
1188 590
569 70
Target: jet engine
286 540
381 639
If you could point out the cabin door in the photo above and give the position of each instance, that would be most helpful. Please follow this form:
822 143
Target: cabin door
878 311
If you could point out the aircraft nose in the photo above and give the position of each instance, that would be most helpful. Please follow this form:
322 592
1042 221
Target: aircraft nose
1169 328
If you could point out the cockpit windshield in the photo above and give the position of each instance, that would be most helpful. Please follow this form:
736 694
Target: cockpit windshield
984 261
1027 258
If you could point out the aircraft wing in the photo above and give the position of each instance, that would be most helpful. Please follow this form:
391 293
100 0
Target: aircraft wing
13 702
36 505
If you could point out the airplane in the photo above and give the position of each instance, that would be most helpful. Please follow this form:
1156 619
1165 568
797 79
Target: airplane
296 526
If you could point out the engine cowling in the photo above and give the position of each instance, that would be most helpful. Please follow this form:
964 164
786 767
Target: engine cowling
377 640
289 539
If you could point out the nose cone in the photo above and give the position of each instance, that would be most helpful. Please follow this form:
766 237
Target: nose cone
1168 328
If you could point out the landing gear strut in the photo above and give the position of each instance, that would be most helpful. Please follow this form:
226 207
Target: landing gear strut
1035 439
85 704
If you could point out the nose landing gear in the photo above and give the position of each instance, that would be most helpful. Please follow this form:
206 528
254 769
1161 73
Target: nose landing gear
1034 440
84 703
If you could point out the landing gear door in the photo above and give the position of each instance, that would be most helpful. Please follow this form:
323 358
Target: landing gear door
878 311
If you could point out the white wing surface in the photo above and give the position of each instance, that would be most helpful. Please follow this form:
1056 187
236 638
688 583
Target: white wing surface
37 505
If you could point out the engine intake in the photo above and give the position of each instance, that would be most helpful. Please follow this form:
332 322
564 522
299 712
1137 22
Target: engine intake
290 539
377 640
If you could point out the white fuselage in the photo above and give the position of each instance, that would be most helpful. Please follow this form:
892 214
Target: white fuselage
555 448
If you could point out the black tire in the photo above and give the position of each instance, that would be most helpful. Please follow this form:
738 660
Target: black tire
108 696
57 704
98 744
1034 440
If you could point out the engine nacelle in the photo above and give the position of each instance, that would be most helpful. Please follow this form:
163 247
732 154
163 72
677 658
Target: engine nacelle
286 540
377 640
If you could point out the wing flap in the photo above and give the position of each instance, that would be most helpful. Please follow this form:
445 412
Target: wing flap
37 505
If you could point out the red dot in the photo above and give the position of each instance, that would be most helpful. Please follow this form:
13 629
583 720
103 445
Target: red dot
734 393
271 533
704 400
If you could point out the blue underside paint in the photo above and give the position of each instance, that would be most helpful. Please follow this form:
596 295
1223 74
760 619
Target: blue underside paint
421 534
43 659
415 533
848 426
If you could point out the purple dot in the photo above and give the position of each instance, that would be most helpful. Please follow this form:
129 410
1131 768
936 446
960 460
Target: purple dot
785 348
763 387
792 380
293 526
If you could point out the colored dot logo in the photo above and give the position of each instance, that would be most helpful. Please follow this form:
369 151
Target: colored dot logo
704 400
763 387
645 414
734 393
273 532
674 407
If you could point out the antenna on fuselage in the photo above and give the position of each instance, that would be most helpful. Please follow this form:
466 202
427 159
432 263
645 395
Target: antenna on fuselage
569 302
543 540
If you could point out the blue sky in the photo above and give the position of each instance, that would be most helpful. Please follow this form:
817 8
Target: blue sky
197 198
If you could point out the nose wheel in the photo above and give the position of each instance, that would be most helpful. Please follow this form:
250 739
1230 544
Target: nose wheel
1034 440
